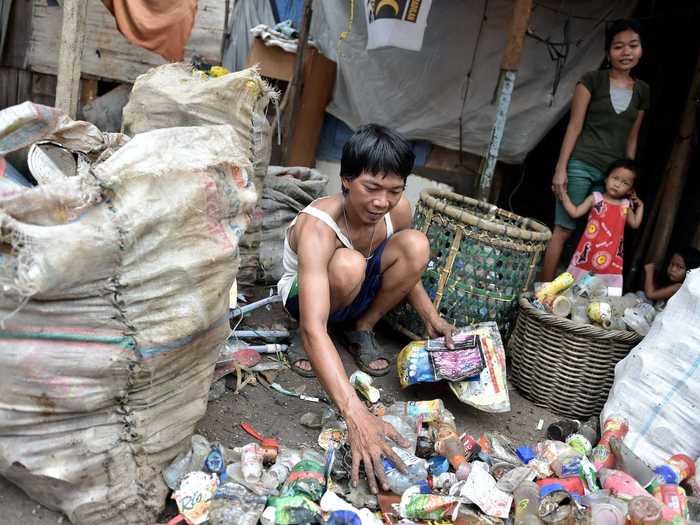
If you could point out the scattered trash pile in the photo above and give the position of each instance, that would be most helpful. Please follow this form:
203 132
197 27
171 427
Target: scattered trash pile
115 261
587 301
449 477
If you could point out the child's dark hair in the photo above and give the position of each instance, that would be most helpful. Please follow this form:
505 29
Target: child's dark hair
376 149
627 164
691 257
618 26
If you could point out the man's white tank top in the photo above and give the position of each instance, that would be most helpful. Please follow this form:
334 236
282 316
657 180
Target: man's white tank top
290 261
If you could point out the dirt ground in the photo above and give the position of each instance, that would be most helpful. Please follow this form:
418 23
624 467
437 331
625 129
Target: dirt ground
277 415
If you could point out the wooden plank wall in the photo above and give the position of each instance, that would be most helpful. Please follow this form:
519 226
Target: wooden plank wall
107 54
20 85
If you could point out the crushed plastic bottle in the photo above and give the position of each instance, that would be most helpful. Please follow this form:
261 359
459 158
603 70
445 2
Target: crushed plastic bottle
233 504
416 470
406 426
620 483
191 460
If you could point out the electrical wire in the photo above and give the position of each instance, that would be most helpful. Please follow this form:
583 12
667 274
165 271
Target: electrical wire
468 79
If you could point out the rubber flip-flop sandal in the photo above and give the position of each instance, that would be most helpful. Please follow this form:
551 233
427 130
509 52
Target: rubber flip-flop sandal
363 346
295 353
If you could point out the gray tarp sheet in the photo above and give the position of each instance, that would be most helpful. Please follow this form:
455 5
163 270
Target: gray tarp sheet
420 93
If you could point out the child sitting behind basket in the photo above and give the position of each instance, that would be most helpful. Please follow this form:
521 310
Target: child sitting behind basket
601 247
680 263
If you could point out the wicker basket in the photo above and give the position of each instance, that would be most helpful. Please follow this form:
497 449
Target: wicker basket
564 366
482 258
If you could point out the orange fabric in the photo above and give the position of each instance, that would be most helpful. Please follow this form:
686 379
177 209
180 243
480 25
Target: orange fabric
163 26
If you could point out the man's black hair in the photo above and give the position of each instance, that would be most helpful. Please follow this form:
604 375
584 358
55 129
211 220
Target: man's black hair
618 26
376 149
628 164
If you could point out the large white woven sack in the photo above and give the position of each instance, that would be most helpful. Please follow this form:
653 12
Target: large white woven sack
657 386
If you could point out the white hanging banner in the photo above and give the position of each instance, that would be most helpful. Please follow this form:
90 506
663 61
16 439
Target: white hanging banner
396 23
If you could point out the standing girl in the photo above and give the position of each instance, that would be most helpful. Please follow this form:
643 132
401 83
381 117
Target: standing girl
601 248
606 113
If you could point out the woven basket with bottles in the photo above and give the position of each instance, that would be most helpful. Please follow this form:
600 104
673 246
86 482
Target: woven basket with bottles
481 259
562 365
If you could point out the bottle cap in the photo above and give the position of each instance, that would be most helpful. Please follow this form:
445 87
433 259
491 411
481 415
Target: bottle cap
526 454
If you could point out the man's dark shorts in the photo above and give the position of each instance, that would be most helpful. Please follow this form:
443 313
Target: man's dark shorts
370 287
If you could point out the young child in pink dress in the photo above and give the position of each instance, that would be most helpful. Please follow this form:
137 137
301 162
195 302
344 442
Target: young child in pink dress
601 247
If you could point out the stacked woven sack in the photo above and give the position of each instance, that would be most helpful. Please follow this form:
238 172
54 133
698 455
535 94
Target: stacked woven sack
114 298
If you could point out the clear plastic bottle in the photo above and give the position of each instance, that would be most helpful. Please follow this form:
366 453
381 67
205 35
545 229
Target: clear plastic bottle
189 461
406 426
526 498
251 462
416 470
277 473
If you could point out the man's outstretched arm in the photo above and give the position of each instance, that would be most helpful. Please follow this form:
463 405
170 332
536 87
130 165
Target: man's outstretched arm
366 433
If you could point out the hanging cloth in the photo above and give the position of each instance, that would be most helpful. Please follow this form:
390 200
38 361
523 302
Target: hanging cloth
162 26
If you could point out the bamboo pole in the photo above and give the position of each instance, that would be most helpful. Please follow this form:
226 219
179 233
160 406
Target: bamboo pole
506 84
72 38
676 172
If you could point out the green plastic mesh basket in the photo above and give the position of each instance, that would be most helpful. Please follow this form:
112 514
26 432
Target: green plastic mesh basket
482 259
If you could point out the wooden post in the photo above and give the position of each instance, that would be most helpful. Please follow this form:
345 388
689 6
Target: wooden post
506 83
676 172
296 85
72 38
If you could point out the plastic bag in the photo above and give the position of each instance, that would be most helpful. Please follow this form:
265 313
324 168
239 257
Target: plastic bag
657 386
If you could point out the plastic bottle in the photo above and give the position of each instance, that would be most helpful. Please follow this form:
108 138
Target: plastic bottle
644 510
406 426
614 426
676 469
448 444
251 462
277 473
579 311
416 470
674 501
189 461
620 483
526 500
590 286
233 504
